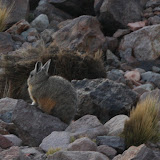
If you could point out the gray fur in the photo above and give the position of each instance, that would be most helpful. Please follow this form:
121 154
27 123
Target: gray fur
56 88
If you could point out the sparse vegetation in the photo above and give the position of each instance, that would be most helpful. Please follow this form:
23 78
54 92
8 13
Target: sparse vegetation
143 124
69 65
52 151
4 15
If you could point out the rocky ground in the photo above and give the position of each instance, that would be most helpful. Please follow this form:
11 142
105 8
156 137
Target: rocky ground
127 35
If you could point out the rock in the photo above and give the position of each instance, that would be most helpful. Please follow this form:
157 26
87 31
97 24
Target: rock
55 140
111 44
80 35
46 35
82 144
6 43
88 126
151 77
10 154
116 75
40 23
103 98
115 14
14 139
33 125
7 105
115 125
54 14
143 42
152 3
112 141
154 93
154 20
106 150
19 11
75 7
29 153
133 75
5 143
147 87
19 27
137 25
30 32
126 55
139 153
77 155
121 32
156 69
111 59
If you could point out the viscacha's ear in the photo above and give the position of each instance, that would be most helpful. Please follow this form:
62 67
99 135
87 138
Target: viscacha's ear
38 67
46 65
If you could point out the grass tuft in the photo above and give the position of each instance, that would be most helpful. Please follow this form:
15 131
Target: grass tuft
52 151
4 15
143 123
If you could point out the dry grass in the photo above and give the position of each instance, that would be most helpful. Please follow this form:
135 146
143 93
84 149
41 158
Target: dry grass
143 124
4 15
69 65
51 151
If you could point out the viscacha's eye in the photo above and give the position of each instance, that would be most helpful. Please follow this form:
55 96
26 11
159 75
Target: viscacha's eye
31 75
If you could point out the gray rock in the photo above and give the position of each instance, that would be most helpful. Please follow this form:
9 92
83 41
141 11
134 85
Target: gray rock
144 43
116 75
115 125
156 69
82 144
40 23
54 14
77 155
112 141
151 77
87 126
14 139
106 150
31 153
103 98
6 42
116 14
7 105
56 140
147 87
154 20
30 32
4 142
33 125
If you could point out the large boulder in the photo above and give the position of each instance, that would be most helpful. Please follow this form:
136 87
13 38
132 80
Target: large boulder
6 43
115 14
80 35
19 11
77 155
87 126
144 43
103 98
75 7
33 125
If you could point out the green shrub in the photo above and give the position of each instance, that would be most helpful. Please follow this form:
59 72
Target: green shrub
4 15
52 151
143 123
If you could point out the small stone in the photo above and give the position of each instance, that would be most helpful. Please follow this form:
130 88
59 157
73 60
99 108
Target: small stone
136 25
14 139
133 75
5 143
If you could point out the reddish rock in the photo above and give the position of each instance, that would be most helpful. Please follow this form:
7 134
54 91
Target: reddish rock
19 27
137 25
5 143
80 35
133 75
